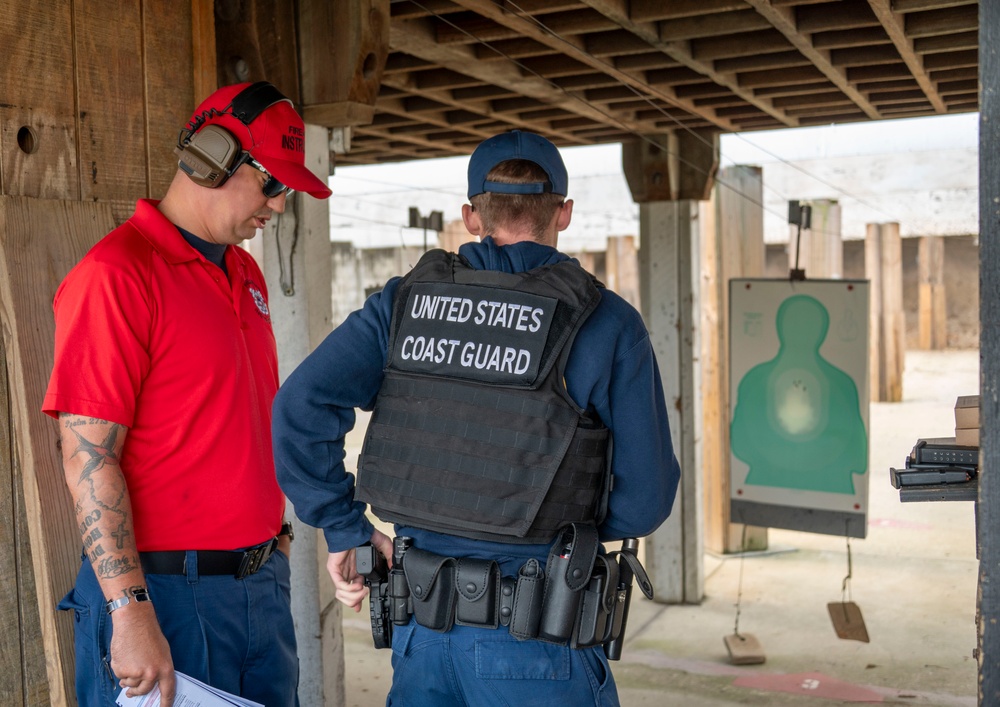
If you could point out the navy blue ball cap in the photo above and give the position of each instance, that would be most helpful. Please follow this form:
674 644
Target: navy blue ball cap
517 145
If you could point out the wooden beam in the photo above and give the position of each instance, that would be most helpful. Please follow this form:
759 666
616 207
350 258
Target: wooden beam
839 39
574 50
783 19
946 43
651 10
937 22
761 61
716 25
344 45
894 25
833 16
681 53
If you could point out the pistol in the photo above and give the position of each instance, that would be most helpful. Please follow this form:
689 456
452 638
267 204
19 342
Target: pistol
371 564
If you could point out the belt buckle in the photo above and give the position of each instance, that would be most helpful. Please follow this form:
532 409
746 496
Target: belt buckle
254 558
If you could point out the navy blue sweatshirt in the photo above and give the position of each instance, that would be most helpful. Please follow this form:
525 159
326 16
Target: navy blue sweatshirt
611 371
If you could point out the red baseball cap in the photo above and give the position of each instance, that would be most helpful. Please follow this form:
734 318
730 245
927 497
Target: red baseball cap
275 137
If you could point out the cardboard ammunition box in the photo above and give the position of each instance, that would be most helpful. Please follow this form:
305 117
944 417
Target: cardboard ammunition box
967 412
967 436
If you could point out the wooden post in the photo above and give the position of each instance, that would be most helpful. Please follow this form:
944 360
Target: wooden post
622 266
670 233
40 240
884 268
988 509
735 249
668 175
932 311
820 248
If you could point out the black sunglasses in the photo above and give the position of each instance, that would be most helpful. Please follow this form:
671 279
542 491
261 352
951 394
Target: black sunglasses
272 187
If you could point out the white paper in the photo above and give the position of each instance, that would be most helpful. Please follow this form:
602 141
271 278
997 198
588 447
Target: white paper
190 693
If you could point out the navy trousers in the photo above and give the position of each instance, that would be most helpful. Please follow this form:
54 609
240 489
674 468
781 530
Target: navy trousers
475 667
234 634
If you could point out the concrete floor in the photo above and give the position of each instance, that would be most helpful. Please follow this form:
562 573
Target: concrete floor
914 579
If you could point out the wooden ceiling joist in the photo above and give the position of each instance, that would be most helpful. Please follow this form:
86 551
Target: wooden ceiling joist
589 71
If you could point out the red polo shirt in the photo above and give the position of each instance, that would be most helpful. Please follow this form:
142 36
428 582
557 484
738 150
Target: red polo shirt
151 335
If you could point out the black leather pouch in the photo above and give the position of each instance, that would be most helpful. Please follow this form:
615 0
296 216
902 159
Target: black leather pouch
528 593
431 579
597 605
477 583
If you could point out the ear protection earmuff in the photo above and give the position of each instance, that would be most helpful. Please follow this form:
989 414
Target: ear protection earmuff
209 155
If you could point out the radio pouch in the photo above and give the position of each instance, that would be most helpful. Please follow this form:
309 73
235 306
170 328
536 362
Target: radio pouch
528 592
431 579
477 583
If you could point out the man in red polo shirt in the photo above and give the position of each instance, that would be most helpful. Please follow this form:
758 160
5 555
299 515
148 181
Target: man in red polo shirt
165 370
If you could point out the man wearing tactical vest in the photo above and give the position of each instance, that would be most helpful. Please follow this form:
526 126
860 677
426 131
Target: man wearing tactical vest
518 423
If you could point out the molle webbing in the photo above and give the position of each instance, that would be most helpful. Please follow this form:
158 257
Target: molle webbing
498 453
481 463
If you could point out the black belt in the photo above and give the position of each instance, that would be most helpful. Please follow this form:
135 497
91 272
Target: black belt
238 563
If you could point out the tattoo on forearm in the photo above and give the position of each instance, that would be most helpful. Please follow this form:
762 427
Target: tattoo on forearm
100 455
115 566
100 494
120 535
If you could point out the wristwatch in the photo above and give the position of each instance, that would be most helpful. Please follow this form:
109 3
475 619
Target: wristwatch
286 529
131 594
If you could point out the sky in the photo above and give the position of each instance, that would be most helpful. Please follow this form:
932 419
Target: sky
921 172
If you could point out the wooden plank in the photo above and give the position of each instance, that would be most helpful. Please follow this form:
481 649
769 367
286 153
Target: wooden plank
12 666
204 66
40 240
735 248
988 506
883 267
112 143
169 83
37 123
932 308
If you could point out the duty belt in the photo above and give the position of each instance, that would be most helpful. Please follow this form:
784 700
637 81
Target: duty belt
581 598
238 563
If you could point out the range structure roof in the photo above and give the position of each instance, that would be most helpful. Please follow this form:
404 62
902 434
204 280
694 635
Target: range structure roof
600 71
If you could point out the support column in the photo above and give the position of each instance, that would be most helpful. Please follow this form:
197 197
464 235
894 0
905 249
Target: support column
884 268
668 276
294 253
668 175
932 311
988 525
734 249
820 249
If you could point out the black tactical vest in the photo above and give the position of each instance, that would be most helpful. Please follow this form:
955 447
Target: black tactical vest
473 432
